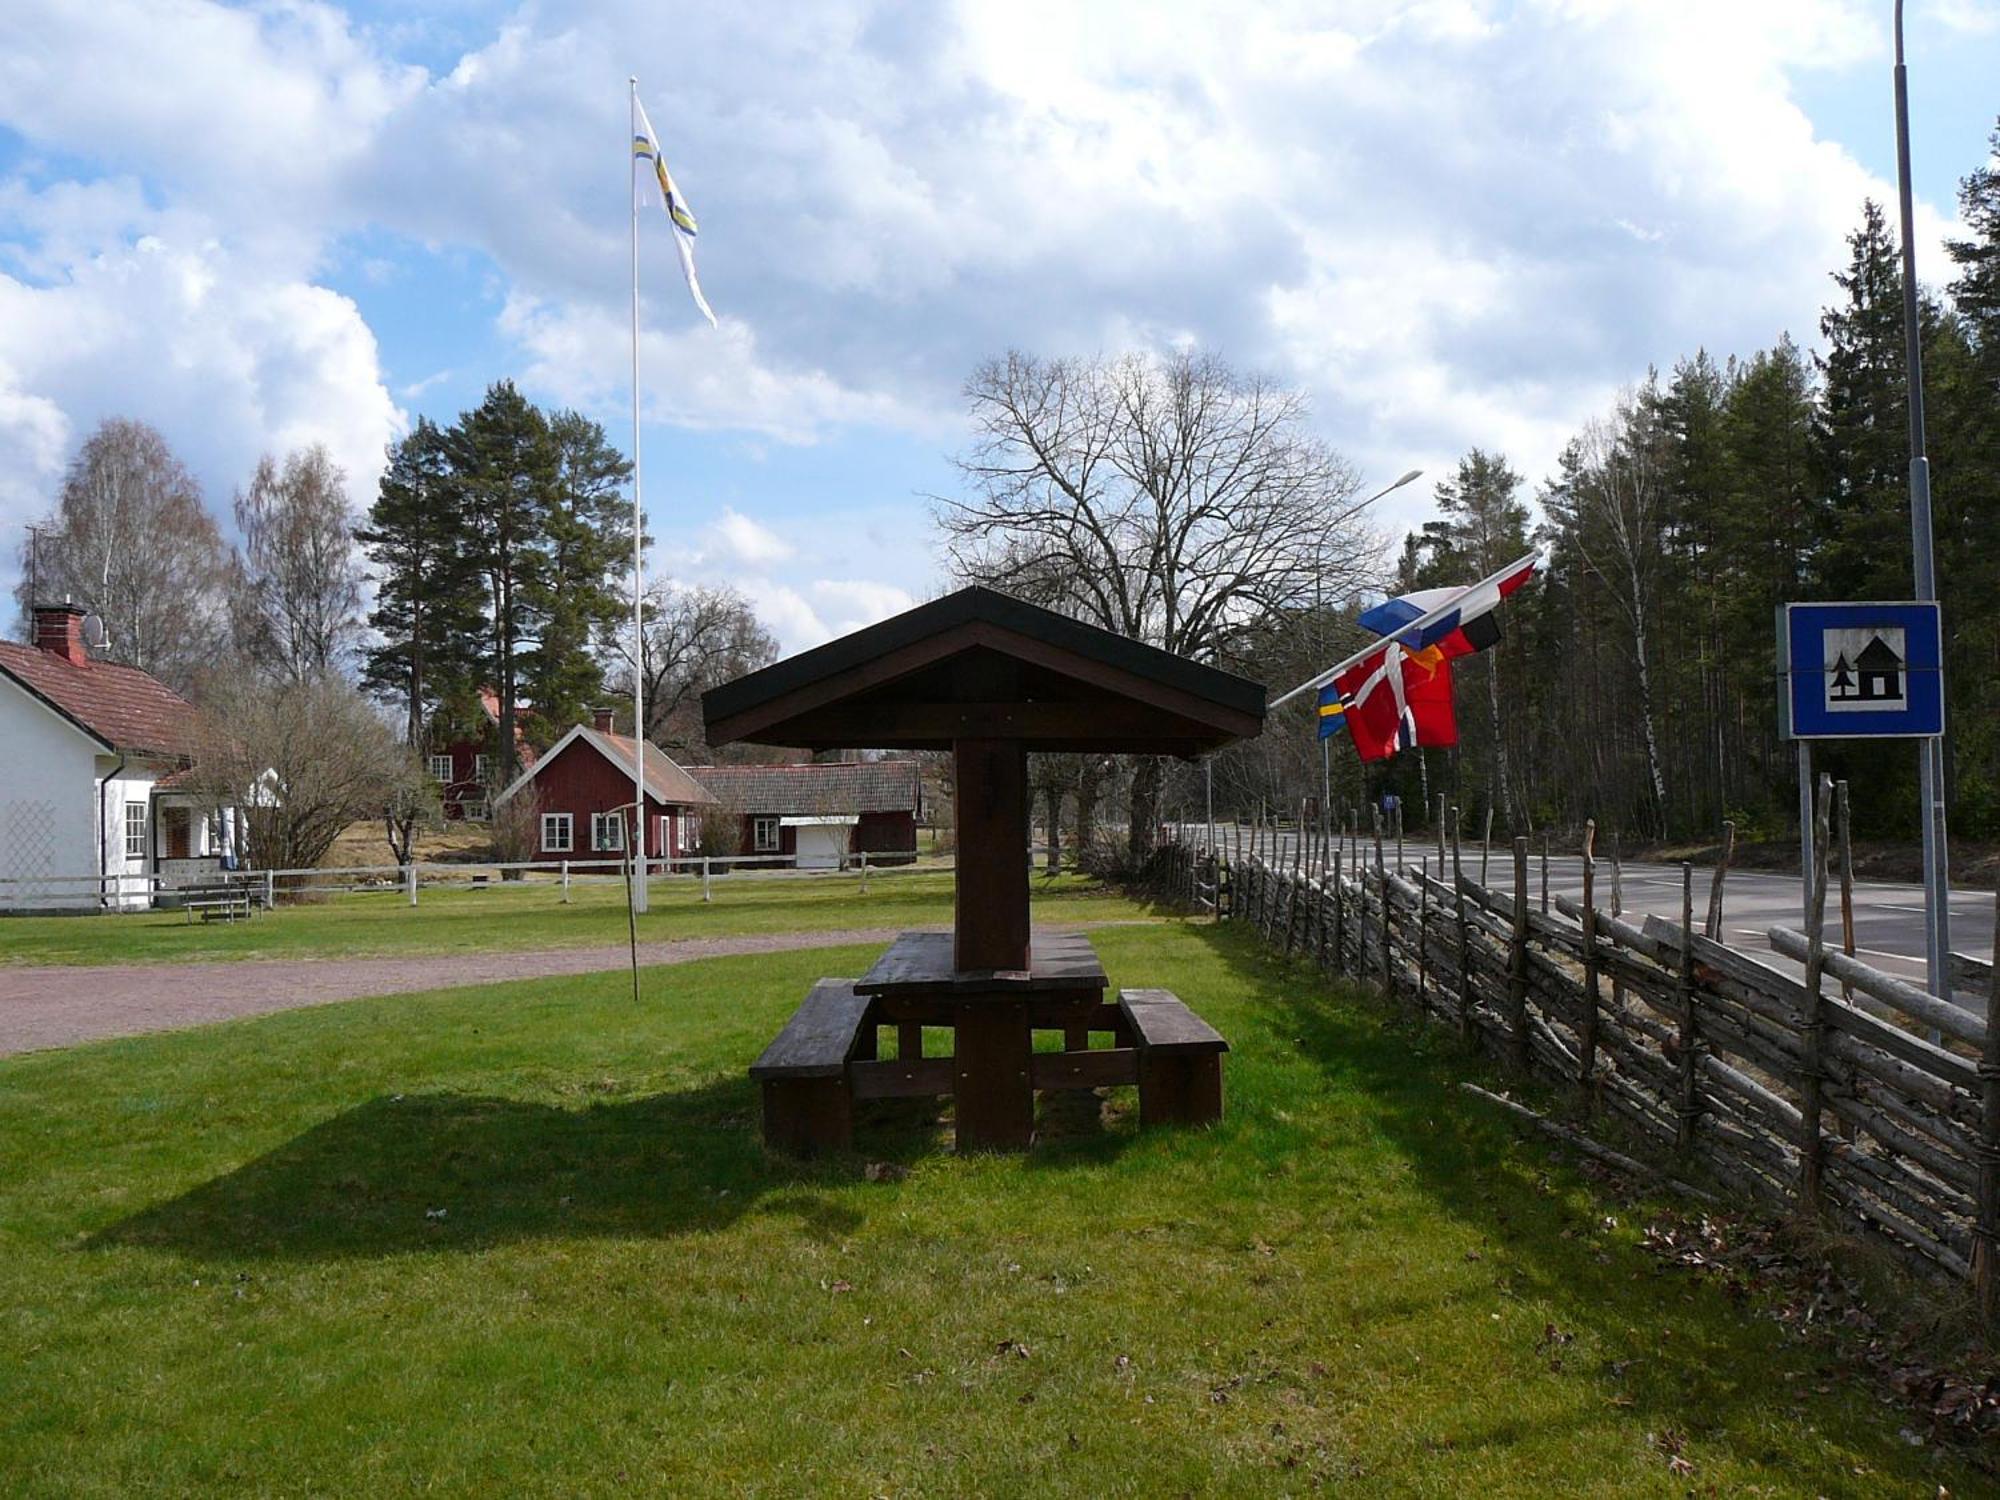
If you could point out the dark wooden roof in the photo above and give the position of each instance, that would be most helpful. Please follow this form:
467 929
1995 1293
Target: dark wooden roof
978 663
853 787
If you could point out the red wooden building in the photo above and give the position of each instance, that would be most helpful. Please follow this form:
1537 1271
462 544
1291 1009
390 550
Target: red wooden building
583 780
819 815
463 768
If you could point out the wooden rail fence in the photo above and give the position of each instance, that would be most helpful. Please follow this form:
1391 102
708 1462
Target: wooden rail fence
1848 1094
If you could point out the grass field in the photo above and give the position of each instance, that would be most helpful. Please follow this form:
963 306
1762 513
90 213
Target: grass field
523 915
523 1240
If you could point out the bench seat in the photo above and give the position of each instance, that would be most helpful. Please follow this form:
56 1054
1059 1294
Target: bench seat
1180 1059
808 1104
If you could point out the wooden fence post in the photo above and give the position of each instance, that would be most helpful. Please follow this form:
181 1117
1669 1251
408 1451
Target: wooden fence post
1617 910
1440 835
1586 1035
1690 1039
1339 915
1712 927
1545 874
1517 961
565 882
1382 896
1486 843
1423 942
1458 910
1846 882
1812 1143
1986 1228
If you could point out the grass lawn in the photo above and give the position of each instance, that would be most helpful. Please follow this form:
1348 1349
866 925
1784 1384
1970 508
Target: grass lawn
523 1240
525 915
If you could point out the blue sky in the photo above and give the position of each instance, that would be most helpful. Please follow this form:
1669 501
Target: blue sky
1451 222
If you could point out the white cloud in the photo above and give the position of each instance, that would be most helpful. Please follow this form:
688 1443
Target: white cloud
747 543
1966 17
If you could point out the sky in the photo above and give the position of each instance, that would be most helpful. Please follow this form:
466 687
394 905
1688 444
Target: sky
1451 223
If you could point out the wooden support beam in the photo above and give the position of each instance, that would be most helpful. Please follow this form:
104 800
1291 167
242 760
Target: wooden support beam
990 912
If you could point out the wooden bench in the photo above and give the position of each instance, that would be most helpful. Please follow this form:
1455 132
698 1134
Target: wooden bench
1180 1059
808 1101
211 901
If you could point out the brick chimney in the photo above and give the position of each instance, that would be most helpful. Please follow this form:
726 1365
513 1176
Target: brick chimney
600 720
59 631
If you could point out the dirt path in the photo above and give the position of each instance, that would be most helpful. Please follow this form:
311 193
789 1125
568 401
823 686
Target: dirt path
58 1006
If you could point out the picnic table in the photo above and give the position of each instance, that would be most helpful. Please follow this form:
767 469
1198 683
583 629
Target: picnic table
991 679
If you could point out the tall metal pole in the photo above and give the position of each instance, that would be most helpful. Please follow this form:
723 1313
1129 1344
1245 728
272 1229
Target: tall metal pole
1930 752
638 544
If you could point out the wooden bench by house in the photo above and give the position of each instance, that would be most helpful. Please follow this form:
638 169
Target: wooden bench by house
228 900
1180 1059
808 1103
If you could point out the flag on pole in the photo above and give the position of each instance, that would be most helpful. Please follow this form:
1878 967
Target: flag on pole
1332 712
646 147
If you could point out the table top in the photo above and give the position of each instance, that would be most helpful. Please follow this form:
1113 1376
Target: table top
919 963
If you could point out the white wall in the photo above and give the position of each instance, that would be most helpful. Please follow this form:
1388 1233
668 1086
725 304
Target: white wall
48 803
132 783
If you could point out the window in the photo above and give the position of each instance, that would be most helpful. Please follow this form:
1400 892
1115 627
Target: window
135 831
607 831
556 833
441 769
764 835
479 765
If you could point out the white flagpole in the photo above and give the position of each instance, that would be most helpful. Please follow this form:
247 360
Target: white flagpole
1402 632
638 538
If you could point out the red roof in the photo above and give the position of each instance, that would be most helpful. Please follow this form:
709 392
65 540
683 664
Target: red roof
129 709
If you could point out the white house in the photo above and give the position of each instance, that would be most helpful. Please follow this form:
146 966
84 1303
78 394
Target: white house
92 813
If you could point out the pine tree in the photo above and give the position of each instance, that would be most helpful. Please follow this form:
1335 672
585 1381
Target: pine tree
428 596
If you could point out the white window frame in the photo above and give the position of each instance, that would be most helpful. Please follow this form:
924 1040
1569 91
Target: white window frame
759 843
137 837
441 776
558 823
479 765
607 833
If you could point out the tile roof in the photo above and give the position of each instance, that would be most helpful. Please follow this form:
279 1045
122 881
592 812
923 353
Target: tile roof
665 780
129 709
847 787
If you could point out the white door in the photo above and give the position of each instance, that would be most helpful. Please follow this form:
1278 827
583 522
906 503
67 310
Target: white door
820 847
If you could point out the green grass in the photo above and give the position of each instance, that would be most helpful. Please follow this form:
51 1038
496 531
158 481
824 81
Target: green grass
523 1240
521 916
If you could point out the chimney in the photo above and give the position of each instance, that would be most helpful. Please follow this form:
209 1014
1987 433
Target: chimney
600 720
59 631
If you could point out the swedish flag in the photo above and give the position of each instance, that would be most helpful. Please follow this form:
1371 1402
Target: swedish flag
1332 712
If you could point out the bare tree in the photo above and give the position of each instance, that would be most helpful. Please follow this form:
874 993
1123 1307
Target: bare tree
696 636
298 604
1613 500
1168 499
302 760
413 806
131 540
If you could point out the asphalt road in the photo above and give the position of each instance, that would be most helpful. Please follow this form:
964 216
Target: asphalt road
1888 918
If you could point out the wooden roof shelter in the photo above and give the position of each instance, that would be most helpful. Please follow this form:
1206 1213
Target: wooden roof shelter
990 678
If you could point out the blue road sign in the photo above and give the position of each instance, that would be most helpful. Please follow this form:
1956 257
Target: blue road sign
1860 671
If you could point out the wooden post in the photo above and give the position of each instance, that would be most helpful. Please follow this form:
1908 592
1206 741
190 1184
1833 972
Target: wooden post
1486 843
1545 874
410 882
990 909
864 872
1382 896
1617 910
1458 911
1399 835
1712 927
704 879
1440 835
1986 1227
1517 961
565 882
1690 1040
1423 934
1812 1144
1339 915
1586 1036
1846 882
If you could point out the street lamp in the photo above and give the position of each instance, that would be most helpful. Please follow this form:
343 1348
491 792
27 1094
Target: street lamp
1930 752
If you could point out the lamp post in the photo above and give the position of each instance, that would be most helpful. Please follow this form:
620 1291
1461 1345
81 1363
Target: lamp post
1325 749
1930 752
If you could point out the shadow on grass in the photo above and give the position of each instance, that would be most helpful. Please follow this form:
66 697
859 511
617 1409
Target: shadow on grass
1686 1356
463 1172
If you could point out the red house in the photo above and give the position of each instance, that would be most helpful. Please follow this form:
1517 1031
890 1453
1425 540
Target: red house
583 780
818 816
463 768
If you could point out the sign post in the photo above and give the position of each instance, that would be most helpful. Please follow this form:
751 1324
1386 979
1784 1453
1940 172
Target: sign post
1855 671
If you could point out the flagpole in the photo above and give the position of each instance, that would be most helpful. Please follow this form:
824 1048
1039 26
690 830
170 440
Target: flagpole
638 533
1402 631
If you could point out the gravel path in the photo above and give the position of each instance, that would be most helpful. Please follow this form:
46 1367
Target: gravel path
57 1006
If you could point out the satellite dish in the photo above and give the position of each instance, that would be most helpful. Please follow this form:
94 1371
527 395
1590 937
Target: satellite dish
93 631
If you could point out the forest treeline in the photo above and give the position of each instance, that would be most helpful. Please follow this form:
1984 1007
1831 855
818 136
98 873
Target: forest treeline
1637 680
